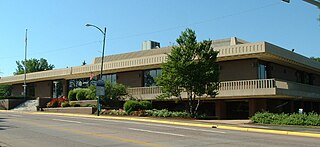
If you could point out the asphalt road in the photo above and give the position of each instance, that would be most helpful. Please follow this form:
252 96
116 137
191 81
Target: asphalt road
32 130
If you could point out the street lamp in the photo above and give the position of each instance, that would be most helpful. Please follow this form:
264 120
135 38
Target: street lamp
104 32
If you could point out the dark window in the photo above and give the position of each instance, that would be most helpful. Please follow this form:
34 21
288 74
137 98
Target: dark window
57 89
262 71
150 77
110 77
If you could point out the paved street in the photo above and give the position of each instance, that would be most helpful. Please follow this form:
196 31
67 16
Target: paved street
29 130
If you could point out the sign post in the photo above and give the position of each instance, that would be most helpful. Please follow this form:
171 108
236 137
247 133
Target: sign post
100 92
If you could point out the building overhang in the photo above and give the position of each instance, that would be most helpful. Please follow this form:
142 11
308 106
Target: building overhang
259 50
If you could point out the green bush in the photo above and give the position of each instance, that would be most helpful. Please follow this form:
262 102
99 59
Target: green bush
114 90
65 104
72 95
166 113
310 119
81 94
131 105
91 93
145 105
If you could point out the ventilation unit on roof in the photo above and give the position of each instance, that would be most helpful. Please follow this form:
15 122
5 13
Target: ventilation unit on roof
147 45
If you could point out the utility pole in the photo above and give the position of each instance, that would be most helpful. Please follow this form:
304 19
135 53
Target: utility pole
25 67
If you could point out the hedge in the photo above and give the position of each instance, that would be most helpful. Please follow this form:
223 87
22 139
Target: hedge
132 105
305 119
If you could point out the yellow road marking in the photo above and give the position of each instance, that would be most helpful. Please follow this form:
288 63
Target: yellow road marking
293 133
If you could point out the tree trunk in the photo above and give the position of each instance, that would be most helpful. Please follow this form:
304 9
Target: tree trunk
190 104
196 109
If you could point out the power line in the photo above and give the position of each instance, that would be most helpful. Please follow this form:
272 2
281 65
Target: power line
153 32
53 50
200 22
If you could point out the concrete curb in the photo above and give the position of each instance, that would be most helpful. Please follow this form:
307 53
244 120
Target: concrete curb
280 132
235 128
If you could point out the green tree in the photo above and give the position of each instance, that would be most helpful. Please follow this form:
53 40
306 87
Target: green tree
33 65
114 91
315 58
5 90
190 67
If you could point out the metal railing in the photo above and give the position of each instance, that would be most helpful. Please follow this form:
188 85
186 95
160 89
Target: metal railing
144 90
247 84
228 85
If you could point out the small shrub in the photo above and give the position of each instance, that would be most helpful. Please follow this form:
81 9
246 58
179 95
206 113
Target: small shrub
56 102
81 94
145 105
131 105
91 93
115 112
72 95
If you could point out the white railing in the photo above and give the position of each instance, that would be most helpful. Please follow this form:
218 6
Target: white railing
229 85
247 84
144 90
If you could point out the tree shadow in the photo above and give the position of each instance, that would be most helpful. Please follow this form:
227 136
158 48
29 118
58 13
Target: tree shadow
3 127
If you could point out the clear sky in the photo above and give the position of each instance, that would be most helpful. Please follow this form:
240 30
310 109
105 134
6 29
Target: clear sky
57 32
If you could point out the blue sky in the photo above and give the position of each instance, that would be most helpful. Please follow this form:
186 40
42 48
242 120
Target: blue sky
57 32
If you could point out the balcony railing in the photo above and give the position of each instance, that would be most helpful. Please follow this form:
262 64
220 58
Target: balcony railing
246 88
247 84
144 90
224 86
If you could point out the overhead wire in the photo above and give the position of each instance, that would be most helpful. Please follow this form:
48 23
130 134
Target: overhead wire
152 32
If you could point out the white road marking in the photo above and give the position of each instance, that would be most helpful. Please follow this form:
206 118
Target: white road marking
148 124
15 115
156 132
168 126
70 121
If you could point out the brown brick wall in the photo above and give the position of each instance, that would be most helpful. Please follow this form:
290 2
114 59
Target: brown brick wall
282 72
238 70
131 79
17 90
43 89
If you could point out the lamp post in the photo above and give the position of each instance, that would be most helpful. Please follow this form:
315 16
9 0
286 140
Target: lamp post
25 67
104 32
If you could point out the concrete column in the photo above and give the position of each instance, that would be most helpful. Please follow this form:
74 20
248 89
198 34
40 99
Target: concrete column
256 105
221 110
64 87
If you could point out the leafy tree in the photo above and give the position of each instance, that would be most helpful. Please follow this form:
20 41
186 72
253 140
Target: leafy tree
190 67
5 90
33 65
315 58
114 90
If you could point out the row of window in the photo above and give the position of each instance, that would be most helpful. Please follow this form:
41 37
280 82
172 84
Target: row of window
149 79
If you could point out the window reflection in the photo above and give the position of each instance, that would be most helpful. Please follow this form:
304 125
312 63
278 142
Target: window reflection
150 77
